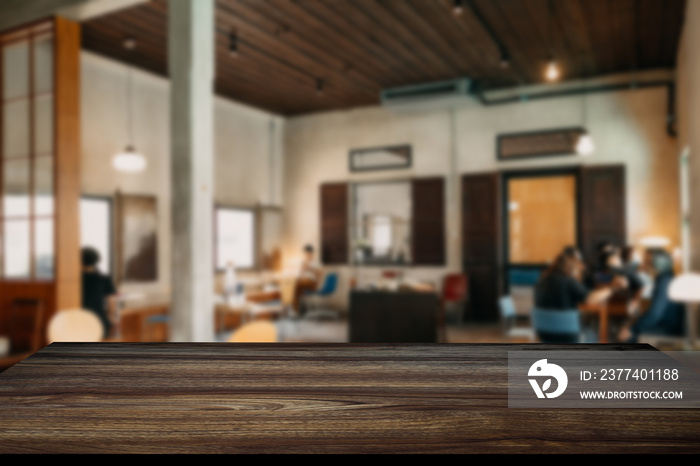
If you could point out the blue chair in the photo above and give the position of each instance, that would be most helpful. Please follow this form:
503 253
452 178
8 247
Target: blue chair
507 308
557 326
150 323
328 288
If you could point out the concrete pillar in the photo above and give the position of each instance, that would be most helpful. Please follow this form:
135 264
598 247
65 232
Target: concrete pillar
191 62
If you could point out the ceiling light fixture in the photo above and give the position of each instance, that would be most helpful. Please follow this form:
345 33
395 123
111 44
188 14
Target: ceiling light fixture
505 61
552 72
319 87
585 144
458 7
130 160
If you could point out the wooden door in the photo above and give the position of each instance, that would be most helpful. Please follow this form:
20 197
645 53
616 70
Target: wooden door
334 223
481 219
428 221
603 208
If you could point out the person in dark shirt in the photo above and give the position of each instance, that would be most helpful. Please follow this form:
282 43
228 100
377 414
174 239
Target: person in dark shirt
560 286
97 288
663 315
560 289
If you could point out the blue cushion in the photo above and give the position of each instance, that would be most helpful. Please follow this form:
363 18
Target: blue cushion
553 321
160 318
524 277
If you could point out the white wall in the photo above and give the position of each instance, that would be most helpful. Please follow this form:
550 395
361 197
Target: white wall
628 127
248 149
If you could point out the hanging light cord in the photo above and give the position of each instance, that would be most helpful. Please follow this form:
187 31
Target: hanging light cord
130 109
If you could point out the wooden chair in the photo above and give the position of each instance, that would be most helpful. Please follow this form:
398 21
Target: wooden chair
76 325
25 335
25 325
454 292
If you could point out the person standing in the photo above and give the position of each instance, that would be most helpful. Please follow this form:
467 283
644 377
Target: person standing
98 289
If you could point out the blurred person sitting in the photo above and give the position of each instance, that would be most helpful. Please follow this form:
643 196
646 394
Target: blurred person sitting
560 289
632 264
310 270
663 316
98 289
611 266
309 278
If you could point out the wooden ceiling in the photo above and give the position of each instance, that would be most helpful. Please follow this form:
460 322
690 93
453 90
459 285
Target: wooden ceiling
356 48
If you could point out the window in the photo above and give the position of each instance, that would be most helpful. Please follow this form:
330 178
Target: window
235 238
96 228
27 155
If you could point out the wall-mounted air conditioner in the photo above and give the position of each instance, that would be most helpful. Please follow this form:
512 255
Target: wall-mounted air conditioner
439 94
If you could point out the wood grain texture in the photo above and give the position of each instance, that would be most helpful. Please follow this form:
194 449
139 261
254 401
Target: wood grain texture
359 47
304 398
67 159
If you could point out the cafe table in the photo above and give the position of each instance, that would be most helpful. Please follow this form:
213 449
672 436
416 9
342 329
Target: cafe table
306 398
601 311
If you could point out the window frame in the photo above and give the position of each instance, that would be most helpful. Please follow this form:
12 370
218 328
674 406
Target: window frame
110 228
215 245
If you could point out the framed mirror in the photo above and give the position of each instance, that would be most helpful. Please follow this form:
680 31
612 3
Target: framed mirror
381 158
382 223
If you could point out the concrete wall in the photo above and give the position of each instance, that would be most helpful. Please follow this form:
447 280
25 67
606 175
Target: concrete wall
688 107
248 149
628 127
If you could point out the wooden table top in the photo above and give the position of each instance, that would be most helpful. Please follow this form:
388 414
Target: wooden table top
305 398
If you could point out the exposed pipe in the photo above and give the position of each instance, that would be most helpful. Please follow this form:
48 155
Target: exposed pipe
671 85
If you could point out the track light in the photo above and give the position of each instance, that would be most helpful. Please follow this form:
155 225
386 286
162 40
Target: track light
233 44
458 7
505 61
129 43
552 72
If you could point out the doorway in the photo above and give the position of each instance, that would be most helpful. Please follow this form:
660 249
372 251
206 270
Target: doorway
541 218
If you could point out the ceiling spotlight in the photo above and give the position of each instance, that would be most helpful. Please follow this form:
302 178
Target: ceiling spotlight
130 43
505 61
552 73
233 44
458 7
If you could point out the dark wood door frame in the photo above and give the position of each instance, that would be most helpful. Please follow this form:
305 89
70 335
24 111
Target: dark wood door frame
508 175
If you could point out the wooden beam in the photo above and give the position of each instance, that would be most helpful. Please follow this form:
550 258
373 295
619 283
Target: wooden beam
67 161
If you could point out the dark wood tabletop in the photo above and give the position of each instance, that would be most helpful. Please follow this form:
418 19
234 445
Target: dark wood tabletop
305 398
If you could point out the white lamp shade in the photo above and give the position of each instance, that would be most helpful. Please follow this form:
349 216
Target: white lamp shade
129 161
685 288
655 242
585 145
